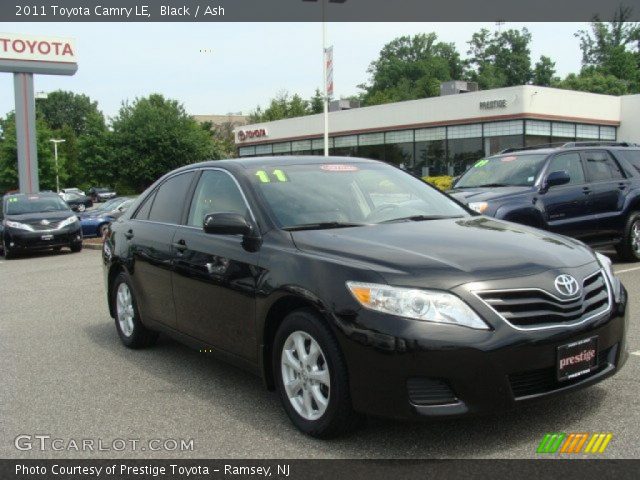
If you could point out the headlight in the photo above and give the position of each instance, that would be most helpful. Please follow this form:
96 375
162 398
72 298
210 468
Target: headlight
69 221
614 281
21 226
479 207
425 305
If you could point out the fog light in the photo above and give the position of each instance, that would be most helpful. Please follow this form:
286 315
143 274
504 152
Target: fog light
11 244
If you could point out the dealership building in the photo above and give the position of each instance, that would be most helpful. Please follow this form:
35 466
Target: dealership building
444 135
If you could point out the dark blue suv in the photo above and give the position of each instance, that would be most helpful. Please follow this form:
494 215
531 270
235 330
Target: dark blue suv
589 191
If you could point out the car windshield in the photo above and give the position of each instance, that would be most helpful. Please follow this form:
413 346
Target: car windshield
109 205
503 171
73 196
335 195
24 204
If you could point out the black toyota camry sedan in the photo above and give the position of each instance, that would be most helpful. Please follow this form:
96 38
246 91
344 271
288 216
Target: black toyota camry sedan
353 288
38 221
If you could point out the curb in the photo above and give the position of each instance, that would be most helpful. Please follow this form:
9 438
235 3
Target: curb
92 246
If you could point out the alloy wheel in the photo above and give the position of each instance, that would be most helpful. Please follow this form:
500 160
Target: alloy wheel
305 375
635 238
124 309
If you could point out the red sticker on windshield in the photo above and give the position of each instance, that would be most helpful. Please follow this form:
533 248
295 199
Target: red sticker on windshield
339 168
509 159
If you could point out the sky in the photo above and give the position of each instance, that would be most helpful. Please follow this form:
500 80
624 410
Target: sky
219 68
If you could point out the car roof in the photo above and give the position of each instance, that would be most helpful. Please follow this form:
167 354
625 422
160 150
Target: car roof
38 194
253 162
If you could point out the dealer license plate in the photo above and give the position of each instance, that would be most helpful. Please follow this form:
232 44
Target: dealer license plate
577 358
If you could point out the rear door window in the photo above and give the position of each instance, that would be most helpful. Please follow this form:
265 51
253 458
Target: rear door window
631 156
601 167
170 198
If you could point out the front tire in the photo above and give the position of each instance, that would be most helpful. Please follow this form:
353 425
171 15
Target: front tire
629 249
76 247
132 332
311 376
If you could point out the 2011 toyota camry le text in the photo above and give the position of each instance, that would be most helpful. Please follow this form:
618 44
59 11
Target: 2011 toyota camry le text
353 288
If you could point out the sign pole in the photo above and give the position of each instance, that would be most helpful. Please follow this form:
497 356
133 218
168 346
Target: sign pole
26 132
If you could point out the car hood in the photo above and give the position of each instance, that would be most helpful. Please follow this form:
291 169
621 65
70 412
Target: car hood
446 253
35 218
466 195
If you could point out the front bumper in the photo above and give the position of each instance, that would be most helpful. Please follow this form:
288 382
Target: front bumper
406 369
23 240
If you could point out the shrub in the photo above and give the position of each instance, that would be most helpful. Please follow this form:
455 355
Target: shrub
443 182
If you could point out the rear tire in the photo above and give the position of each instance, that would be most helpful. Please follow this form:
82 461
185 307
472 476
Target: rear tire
629 249
76 247
307 357
132 332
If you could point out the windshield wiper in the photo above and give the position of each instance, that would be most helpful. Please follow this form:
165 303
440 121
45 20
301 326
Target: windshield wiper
489 185
323 226
420 218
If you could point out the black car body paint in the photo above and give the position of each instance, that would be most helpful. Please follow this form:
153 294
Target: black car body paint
226 294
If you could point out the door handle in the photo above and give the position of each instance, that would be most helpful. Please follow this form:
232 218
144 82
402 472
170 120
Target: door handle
586 190
622 186
180 245
129 234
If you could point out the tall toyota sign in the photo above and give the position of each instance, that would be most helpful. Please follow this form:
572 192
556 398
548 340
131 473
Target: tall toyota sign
25 55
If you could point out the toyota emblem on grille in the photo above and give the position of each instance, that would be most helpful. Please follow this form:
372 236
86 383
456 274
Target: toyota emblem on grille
567 285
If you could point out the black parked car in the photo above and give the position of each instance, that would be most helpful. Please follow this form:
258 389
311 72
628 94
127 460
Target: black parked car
354 288
37 222
101 194
587 191
76 201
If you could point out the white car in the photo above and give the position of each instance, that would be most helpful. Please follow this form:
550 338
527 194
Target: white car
72 190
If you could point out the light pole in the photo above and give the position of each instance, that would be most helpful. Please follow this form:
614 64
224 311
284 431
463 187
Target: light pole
55 142
325 95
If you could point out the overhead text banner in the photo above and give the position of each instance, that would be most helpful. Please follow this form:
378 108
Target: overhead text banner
311 11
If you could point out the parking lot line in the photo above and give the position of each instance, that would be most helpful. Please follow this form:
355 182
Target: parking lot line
628 270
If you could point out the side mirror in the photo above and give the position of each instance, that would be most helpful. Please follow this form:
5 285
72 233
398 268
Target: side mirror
557 178
226 224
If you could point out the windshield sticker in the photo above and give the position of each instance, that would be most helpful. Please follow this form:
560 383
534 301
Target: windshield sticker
33 197
339 168
263 176
481 163
13 199
280 175
509 159
529 179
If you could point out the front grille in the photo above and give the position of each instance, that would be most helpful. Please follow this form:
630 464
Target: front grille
429 391
530 308
544 380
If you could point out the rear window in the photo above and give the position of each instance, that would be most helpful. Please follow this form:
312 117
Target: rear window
631 156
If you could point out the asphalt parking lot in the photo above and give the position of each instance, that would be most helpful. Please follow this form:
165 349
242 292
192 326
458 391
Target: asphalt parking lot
64 373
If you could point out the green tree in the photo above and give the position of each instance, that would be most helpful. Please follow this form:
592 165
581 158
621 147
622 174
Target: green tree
154 135
594 81
411 67
9 155
610 49
499 59
283 105
316 103
77 119
544 72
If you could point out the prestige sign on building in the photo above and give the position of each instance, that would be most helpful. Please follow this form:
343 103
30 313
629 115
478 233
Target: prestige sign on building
23 55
